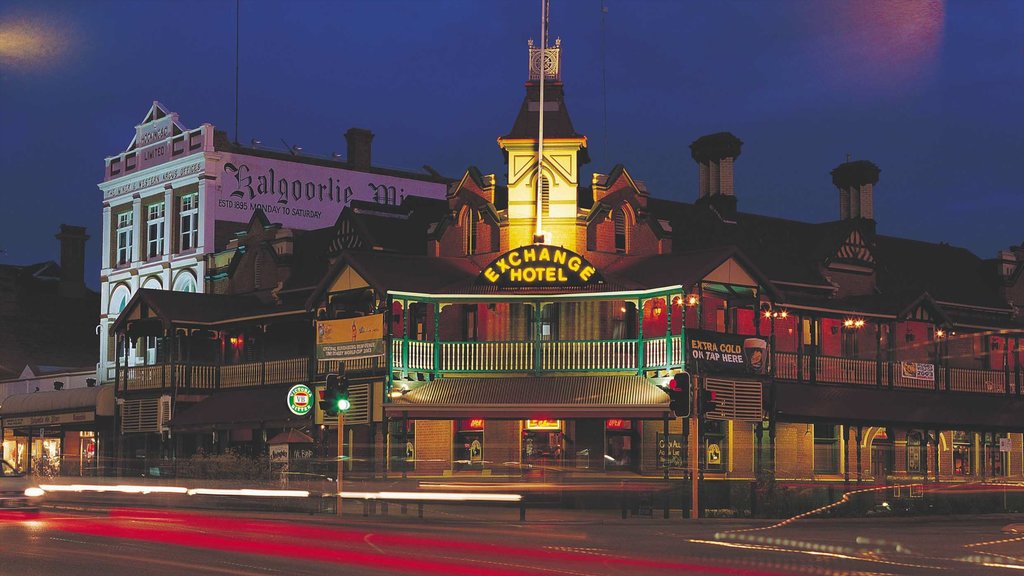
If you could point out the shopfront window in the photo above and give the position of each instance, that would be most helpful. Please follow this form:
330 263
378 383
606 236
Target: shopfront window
716 445
402 439
962 461
542 442
997 459
826 449
469 444
620 443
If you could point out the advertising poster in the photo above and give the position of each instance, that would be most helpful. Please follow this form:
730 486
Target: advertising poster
350 338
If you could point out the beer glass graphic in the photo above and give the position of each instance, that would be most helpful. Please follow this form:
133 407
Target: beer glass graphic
755 352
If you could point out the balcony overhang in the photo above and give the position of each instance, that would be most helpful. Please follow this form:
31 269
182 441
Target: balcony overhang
881 407
534 397
549 295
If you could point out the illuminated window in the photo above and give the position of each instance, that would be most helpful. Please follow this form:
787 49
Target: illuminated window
155 230
189 219
124 238
962 454
545 196
716 445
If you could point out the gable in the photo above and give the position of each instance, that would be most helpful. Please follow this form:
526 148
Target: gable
731 272
348 279
348 237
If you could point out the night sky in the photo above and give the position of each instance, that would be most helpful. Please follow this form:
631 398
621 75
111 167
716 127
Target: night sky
932 92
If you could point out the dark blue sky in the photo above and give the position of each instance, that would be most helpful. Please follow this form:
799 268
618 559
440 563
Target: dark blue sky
932 92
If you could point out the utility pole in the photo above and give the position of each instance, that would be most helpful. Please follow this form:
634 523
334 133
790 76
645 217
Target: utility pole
341 457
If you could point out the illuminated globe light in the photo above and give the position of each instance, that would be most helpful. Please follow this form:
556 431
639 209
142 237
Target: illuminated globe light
343 404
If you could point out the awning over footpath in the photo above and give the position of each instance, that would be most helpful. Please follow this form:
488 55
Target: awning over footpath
77 405
882 407
265 407
534 397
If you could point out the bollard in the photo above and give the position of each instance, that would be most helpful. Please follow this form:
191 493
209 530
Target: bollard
522 509
624 506
667 498
366 508
384 508
421 509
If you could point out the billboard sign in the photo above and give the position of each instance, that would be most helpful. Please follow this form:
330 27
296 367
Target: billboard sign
350 338
304 196
732 353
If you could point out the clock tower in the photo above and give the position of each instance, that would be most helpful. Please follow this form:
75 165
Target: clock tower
542 204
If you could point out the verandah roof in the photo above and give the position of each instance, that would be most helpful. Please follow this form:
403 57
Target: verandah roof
534 397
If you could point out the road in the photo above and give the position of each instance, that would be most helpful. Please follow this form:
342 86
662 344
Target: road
126 542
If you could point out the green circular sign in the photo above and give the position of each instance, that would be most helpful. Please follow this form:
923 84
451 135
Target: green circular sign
300 399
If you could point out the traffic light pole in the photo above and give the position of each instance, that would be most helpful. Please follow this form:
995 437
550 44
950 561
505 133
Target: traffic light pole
341 454
695 452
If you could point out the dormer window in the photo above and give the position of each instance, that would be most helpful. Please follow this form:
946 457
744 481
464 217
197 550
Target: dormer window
619 217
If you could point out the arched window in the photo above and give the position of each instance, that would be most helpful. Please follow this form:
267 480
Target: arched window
152 283
470 226
185 282
118 300
619 217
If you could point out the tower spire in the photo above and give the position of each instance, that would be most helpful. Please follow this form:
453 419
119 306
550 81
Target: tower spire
538 234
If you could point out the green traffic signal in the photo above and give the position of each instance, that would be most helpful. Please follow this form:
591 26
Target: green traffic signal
335 399
343 404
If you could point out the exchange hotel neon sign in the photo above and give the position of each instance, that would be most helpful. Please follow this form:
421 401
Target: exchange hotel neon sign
539 265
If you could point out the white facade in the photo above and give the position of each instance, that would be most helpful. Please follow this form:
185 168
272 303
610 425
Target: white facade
163 198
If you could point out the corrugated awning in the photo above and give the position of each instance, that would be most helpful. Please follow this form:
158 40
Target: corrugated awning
875 407
534 397
265 407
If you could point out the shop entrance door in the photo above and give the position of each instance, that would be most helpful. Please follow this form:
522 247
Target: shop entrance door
542 448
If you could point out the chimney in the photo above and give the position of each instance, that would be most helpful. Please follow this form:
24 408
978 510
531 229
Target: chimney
359 140
72 260
715 154
855 181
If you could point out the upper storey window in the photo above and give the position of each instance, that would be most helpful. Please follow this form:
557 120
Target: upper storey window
155 230
189 216
124 238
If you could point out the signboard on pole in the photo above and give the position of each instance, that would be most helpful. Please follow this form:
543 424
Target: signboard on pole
300 399
1005 445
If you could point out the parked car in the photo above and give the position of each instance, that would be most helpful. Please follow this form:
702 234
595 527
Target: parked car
16 491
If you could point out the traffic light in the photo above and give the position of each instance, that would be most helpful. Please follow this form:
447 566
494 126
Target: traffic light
679 394
335 395
708 402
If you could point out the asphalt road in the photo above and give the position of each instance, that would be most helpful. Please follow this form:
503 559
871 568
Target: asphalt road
164 542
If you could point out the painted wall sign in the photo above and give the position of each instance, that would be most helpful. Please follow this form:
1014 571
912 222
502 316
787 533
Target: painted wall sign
539 265
190 169
300 399
670 450
305 196
350 338
68 418
716 352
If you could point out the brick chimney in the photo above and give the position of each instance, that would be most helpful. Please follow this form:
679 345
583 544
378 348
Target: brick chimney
855 181
72 260
359 140
715 154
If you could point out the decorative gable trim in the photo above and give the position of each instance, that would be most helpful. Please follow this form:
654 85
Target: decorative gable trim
854 254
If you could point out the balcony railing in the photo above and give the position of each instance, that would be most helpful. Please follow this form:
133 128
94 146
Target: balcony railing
833 370
531 356
211 377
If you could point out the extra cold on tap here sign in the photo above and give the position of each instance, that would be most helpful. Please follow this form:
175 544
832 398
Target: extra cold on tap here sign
731 353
